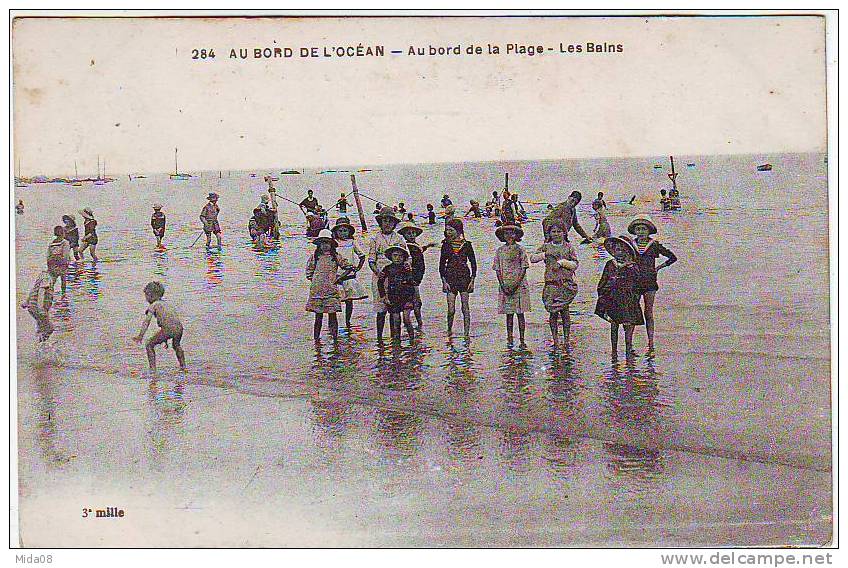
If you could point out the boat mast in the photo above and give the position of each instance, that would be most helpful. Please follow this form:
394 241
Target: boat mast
98 166
176 168
673 175
76 175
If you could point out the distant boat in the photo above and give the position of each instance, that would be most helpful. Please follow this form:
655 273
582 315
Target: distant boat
19 181
177 175
76 181
290 172
658 166
764 168
690 165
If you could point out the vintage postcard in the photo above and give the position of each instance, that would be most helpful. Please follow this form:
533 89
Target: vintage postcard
456 281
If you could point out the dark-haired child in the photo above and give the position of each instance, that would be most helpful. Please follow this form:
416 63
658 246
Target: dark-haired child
58 256
396 286
170 326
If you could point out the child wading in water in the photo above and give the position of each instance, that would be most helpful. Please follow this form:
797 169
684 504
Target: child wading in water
90 237
322 270
350 288
72 234
431 214
647 252
377 260
38 305
209 218
511 264
410 232
456 256
58 257
170 326
560 287
397 289
618 293
602 226
157 221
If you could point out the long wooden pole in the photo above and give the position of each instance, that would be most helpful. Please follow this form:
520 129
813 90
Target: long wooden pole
506 181
358 203
673 175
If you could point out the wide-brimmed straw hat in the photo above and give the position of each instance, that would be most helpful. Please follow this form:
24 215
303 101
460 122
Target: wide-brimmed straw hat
212 197
387 213
610 241
392 249
642 220
412 227
499 232
157 206
343 222
325 235
87 213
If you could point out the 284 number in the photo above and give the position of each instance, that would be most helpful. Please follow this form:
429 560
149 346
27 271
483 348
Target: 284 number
203 54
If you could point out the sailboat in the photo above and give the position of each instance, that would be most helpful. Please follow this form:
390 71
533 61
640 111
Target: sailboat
19 181
76 181
177 175
99 180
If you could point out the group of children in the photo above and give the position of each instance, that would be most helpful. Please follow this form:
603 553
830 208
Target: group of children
66 241
396 262
397 265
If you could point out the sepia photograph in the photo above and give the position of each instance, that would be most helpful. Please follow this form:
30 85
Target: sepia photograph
418 281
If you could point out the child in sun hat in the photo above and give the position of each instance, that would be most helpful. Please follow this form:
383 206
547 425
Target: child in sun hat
89 240
618 292
396 286
648 250
410 231
157 222
350 287
377 260
510 266
560 287
323 270
72 234
170 326
58 256
209 218
458 269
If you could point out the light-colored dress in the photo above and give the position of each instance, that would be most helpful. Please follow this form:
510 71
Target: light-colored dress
377 254
560 287
324 297
511 263
352 288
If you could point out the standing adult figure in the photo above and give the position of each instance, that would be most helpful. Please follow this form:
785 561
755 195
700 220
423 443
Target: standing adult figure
566 214
309 203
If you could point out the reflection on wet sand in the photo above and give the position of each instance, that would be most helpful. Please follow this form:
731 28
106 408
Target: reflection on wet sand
634 404
515 433
331 383
48 436
463 435
561 393
397 377
167 408
160 263
214 269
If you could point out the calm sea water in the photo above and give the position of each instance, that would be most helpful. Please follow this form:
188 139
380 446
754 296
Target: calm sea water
741 370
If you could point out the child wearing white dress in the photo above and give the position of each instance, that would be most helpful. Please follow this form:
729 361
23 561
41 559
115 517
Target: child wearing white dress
350 288
510 266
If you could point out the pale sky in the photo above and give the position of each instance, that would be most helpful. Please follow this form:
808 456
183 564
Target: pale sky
127 89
